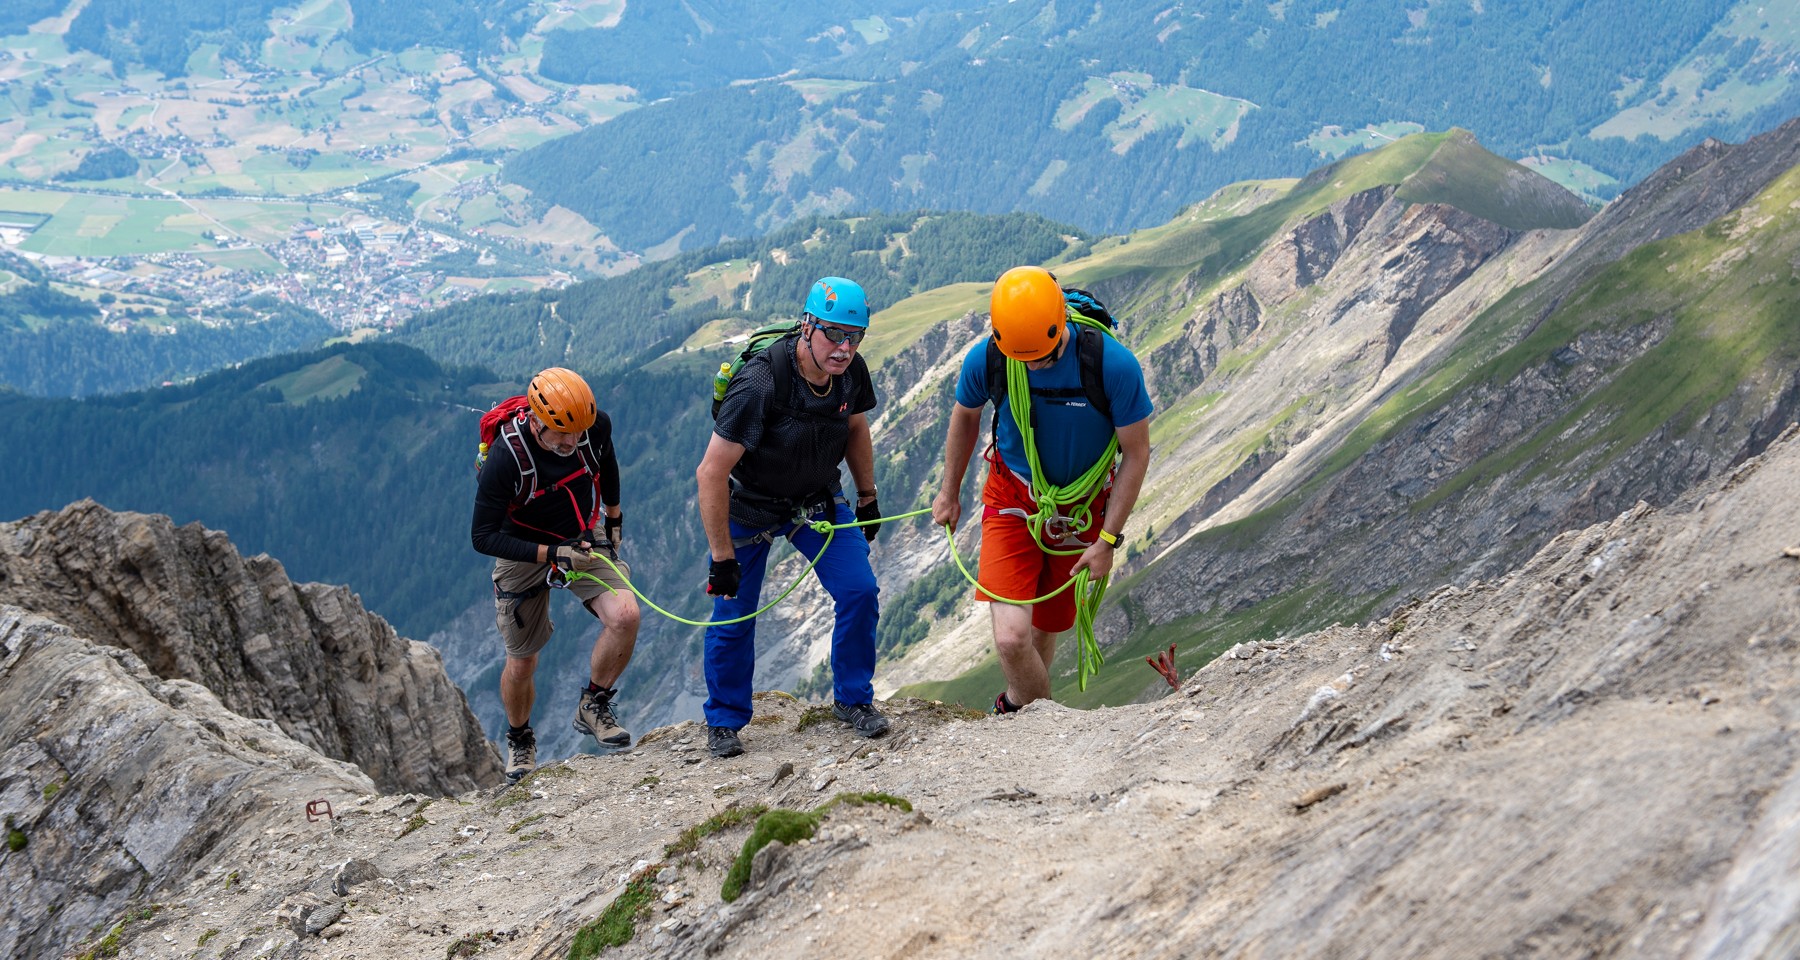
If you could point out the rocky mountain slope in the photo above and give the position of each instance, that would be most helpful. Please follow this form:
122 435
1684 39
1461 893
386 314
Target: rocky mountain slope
1593 755
1362 396
305 657
117 783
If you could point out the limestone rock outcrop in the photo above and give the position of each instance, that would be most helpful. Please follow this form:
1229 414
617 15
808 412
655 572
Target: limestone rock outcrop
307 657
116 783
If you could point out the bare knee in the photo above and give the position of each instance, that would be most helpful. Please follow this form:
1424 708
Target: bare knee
627 619
1008 641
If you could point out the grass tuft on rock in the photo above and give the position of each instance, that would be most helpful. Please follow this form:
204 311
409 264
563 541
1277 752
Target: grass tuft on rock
616 924
526 822
470 945
416 821
813 716
689 841
868 799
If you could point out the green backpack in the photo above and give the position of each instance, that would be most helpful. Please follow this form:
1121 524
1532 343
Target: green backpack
759 341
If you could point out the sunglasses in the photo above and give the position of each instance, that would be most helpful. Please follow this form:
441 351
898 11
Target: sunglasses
839 335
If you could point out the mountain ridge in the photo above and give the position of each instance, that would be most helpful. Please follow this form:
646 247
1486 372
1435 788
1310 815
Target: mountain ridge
1591 753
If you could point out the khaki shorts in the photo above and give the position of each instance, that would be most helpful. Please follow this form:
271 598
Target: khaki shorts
525 625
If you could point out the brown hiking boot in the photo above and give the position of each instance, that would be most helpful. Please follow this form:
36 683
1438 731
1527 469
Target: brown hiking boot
521 755
594 715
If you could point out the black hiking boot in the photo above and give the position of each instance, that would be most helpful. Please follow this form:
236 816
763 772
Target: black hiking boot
863 718
723 742
1003 705
594 715
521 755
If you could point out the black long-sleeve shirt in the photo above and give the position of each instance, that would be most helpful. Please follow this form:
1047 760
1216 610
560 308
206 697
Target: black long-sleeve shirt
553 516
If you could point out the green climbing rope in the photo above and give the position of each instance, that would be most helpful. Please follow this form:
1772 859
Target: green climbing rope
826 527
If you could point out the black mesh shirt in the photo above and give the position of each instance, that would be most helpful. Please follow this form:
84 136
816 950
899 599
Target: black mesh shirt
792 449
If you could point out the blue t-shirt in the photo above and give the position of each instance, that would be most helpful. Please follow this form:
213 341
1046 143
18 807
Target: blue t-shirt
1071 434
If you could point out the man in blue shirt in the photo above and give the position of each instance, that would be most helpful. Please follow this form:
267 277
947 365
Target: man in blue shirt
1073 423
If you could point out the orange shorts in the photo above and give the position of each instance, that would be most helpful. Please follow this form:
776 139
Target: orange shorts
1014 565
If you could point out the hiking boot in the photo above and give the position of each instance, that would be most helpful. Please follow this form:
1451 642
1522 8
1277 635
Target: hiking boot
594 715
521 755
723 742
863 718
1003 705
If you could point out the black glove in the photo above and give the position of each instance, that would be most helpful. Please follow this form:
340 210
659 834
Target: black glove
722 579
564 554
870 511
612 527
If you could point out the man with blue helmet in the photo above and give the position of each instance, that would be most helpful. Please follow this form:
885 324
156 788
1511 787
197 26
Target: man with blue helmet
790 416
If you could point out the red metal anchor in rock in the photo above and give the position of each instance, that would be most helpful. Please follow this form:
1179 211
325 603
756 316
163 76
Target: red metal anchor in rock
1165 665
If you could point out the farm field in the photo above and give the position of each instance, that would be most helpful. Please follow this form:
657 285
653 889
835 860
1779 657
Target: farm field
315 120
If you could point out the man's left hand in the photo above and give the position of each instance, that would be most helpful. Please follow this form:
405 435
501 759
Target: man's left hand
869 511
613 529
1097 560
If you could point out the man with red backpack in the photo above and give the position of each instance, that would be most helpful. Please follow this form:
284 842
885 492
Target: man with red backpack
547 477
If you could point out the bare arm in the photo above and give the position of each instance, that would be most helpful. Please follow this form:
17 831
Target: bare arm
959 446
860 455
714 475
1128 482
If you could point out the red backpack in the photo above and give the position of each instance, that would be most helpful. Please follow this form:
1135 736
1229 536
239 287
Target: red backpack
506 422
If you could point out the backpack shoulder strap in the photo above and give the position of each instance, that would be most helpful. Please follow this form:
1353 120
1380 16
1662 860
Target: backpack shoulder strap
781 370
590 461
512 432
996 385
1090 352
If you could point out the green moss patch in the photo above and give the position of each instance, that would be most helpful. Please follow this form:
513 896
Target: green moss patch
786 826
793 826
616 924
871 798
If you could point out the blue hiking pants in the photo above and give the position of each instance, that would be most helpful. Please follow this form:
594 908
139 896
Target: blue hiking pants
845 574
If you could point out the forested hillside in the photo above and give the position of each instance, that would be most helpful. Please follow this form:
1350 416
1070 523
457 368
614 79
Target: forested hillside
350 464
16 15
53 345
618 323
161 35
1115 117
472 26
665 48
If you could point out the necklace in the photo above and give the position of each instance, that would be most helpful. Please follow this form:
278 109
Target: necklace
815 390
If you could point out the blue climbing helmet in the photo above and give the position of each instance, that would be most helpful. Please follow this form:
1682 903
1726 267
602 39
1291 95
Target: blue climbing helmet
839 301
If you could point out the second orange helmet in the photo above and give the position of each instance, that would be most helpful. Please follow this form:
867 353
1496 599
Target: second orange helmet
562 400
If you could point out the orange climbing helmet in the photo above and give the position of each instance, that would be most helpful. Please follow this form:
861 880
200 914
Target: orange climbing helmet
562 400
1029 314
